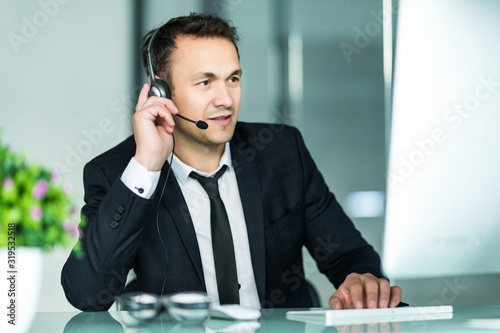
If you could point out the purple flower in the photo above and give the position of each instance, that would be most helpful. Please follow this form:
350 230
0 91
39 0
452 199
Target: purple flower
8 183
68 187
40 189
36 213
54 177
71 229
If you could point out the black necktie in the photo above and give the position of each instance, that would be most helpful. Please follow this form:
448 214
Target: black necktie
222 240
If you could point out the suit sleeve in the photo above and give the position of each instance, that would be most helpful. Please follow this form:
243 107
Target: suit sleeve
113 222
330 236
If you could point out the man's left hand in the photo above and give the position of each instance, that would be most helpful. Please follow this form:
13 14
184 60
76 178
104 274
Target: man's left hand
360 291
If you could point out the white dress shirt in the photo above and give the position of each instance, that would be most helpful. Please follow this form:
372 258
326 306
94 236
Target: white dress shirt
143 183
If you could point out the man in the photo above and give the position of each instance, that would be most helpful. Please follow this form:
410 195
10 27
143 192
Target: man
159 221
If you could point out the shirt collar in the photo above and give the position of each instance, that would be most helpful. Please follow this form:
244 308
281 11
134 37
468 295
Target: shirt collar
182 170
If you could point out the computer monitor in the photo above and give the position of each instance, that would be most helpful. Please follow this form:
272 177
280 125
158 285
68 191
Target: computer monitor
443 191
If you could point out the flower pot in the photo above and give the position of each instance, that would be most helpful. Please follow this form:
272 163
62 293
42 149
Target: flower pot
20 283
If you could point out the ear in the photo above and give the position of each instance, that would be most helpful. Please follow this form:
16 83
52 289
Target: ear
156 76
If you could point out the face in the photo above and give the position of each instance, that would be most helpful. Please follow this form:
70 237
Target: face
206 77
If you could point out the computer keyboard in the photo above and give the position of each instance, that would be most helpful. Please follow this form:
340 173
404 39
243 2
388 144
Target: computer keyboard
369 316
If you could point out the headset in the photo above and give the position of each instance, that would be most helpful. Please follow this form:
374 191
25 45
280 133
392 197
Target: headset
159 87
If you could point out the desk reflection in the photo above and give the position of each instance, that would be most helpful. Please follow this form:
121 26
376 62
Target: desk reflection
357 328
96 322
93 322
465 319
381 327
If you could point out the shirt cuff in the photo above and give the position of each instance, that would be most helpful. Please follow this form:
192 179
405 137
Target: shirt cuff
139 180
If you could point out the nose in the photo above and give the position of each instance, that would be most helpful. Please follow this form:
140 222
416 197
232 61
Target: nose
222 98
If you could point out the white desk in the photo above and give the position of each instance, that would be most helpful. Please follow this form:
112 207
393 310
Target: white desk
465 319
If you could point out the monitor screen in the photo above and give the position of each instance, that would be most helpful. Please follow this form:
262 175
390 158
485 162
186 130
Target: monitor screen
443 189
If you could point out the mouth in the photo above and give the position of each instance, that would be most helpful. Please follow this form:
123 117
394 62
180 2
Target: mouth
220 118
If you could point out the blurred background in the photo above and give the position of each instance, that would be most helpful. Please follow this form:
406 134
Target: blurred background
71 72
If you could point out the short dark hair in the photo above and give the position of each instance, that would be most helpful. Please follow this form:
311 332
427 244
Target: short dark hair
196 25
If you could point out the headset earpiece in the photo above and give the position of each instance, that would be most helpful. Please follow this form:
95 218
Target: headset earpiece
159 88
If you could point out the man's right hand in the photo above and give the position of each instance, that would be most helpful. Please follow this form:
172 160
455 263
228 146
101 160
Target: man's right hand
153 125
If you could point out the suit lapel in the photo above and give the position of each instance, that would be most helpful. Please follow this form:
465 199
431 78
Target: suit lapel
178 209
251 199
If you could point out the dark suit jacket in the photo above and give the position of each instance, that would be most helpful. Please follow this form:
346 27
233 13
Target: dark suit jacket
286 204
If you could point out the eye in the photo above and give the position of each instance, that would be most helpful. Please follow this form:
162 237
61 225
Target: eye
234 79
203 83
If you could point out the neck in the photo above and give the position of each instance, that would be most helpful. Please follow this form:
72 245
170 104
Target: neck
201 157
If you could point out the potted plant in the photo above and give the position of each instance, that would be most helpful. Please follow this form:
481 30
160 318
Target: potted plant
36 215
